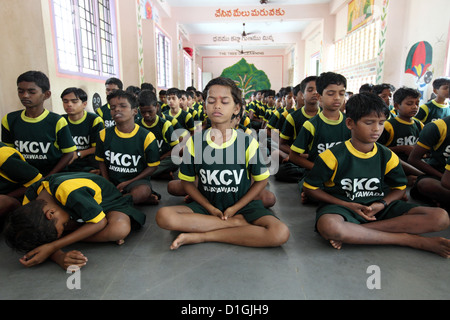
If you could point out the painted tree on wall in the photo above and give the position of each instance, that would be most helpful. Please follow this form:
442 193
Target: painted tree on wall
247 77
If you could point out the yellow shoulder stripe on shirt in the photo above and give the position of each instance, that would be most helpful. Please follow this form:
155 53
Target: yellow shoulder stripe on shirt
67 187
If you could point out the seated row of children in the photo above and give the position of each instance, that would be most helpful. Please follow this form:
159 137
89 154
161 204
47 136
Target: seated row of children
225 193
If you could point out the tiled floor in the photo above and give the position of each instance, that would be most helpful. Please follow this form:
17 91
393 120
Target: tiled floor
305 268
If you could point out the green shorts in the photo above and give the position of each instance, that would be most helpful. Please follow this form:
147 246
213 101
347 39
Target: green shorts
137 183
124 204
395 209
251 212
165 166
145 182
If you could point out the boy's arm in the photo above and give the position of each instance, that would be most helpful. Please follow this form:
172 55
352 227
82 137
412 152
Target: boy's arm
191 189
67 259
256 188
62 163
300 159
41 253
367 212
103 170
145 173
284 145
415 159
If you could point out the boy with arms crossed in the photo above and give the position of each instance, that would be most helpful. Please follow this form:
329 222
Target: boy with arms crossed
127 153
84 127
41 136
349 180
222 209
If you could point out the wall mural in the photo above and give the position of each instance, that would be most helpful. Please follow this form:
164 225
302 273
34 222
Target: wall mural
247 77
418 63
359 13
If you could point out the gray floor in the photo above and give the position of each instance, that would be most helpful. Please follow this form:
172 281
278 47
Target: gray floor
305 268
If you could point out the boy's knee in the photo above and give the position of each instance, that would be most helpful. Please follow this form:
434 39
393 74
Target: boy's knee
269 199
120 226
163 218
328 228
279 234
141 193
174 188
441 218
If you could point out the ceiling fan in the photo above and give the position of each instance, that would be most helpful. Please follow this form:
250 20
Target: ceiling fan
244 33
243 52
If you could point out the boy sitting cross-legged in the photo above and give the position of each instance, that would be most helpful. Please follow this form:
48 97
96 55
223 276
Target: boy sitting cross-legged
225 160
350 178
127 153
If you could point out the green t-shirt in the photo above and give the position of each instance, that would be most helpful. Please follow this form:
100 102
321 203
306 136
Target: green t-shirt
320 134
435 138
87 197
294 122
15 171
164 134
42 141
400 133
432 111
84 133
351 175
184 118
224 171
126 154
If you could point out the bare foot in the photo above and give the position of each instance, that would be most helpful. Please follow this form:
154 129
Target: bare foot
120 242
153 199
438 245
186 238
336 244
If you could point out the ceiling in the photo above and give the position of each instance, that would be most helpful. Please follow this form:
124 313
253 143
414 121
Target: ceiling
235 28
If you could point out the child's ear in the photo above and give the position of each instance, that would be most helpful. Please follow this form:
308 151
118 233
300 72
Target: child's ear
396 106
49 213
237 109
47 95
349 123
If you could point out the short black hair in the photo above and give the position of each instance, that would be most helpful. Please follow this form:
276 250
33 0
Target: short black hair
78 92
439 82
379 88
305 82
148 86
328 78
147 98
236 93
367 87
38 77
125 95
27 228
405 92
174 92
133 89
364 104
115 81
270 93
